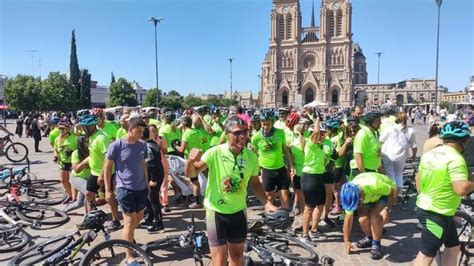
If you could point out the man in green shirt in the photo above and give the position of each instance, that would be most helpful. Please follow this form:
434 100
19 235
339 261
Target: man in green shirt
122 131
231 168
270 145
441 181
281 122
54 133
216 126
170 132
367 147
372 195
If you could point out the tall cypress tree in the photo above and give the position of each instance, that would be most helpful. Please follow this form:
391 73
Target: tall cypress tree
112 79
74 73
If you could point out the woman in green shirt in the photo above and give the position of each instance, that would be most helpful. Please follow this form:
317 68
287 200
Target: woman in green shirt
64 145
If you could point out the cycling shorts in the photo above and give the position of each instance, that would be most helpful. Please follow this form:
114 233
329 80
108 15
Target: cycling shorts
226 228
275 180
313 189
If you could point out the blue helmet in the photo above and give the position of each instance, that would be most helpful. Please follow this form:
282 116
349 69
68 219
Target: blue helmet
54 120
88 120
350 196
267 115
455 130
371 116
332 124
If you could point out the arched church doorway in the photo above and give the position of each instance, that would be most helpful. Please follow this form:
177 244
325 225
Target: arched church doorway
308 95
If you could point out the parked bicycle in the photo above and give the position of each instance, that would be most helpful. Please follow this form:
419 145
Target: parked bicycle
31 212
463 222
196 240
12 235
112 252
14 151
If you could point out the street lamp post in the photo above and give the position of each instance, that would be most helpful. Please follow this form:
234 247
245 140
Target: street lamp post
438 3
155 22
378 77
231 95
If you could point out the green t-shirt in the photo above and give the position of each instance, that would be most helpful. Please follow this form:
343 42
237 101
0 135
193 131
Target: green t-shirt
208 119
328 150
338 142
155 122
98 145
205 138
217 133
85 173
53 135
314 158
65 145
223 137
374 186
289 136
110 129
298 156
226 190
193 140
438 168
121 133
270 149
167 132
367 144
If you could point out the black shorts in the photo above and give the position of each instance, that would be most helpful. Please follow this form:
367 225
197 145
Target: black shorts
223 228
92 185
65 166
338 175
297 182
328 178
132 201
438 230
312 186
356 172
275 180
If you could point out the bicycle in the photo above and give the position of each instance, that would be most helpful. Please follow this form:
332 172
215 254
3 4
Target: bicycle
276 248
463 222
110 252
22 182
13 236
30 212
197 240
64 249
14 151
409 174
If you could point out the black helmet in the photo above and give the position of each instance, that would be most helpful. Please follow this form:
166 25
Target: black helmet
175 144
371 116
255 118
278 220
170 116
94 219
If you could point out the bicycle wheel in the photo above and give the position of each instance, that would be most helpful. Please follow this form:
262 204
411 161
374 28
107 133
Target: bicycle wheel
289 247
12 238
16 152
463 223
112 252
45 195
41 251
47 215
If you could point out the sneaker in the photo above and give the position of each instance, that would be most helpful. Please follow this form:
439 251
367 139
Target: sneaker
307 240
166 208
156 227
180 200
296 211
327 222
114 226
146 224
364 243
336 211
376 252
194 205
318 235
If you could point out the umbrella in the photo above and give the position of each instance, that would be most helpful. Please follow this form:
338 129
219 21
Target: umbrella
316 103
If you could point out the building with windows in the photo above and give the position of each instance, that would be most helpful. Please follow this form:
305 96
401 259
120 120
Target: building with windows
311 63
245 99
470 90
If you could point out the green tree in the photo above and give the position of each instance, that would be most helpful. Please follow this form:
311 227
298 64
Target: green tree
74 73
121 93
213 100
173 93
150 98
191 101
57 93
227 102
174 102
85 90
112 78
443 105
23 93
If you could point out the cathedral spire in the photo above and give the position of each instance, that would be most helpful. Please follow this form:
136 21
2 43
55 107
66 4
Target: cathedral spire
312 15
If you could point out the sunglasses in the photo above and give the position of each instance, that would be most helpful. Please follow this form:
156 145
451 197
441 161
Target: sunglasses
238 133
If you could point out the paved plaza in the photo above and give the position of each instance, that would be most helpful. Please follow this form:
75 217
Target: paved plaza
400 243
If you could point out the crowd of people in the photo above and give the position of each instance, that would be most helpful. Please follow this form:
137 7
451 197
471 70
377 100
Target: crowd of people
344 161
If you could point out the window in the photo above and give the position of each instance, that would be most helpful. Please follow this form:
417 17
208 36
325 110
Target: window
289 26
281 27
339 23
330 23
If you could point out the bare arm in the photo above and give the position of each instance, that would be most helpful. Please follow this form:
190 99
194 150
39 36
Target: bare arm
417 182
183 146
145 171
463 187
258 190
347 229
359 162
107 174
194 165
316 131
78 167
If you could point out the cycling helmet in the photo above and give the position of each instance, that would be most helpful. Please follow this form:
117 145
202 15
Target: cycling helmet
82 112
97 112
332 124
54 120
292 119
322 127
455 130
170 116
267 115
305 121
88 120
388 109
64 122
277 220
352 120
371 116
94 219
255 118
350 196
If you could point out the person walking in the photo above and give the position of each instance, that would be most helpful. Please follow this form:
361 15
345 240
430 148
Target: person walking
36 131
19 126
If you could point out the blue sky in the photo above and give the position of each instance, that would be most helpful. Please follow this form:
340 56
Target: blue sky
197 37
